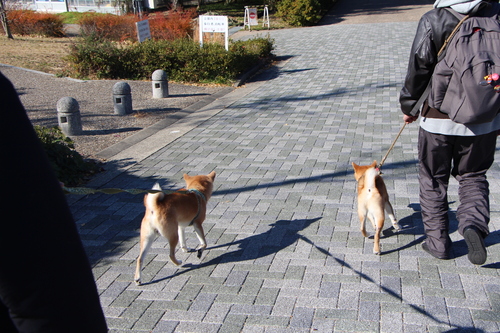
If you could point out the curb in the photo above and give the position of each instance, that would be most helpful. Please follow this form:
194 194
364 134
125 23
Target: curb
145 133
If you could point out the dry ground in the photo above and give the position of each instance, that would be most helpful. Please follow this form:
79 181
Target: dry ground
37 53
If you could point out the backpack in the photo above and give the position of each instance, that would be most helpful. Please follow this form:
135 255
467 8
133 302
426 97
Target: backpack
466 81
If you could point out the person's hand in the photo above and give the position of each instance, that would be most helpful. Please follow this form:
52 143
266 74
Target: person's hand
409 119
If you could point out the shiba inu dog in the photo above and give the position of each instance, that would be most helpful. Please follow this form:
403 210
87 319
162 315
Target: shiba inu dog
373 200
170 214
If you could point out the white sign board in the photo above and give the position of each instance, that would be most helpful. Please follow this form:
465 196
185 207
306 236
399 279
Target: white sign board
213 23
217 23
143 31
252 16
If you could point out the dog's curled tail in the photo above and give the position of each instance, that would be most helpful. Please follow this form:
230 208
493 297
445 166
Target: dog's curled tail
153 198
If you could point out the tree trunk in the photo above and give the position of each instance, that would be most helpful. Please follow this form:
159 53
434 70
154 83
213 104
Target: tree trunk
5 23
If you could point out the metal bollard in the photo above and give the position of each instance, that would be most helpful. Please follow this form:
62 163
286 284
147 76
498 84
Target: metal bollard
122 98
68 116
160 84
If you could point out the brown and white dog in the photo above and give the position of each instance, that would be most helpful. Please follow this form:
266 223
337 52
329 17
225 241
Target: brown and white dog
170 214
373 200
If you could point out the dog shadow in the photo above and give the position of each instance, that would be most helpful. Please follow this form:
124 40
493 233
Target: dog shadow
408 226
282 234
411 225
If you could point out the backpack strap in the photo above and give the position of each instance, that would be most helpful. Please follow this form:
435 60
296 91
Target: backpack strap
455 13
440 55
461 19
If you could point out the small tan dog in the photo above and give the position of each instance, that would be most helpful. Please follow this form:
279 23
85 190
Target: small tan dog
170 214
373 200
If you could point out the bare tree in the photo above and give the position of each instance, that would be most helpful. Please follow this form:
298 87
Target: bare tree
5 23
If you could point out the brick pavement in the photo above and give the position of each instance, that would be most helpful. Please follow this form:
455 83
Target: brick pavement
285 252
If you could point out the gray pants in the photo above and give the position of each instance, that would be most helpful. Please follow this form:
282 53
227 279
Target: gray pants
467 158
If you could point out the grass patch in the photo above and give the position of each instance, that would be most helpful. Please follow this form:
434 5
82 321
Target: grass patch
71 17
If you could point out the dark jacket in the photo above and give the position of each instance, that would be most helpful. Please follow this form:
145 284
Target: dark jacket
433 29
46 283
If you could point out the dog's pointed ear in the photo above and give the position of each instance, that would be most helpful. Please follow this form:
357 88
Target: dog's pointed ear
374 164
211 175
186 177
356 172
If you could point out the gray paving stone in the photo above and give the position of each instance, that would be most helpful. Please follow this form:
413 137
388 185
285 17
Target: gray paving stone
460 317
369 311
391 322
302 317
269 322
148 320
356 326
165 326
267 296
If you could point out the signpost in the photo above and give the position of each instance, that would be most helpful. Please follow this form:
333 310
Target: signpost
143 31
251 17
214 24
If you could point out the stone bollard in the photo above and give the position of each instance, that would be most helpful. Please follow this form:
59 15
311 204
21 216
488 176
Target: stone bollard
68 115
160 84
122 98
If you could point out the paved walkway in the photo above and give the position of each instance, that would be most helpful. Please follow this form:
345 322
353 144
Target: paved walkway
285 252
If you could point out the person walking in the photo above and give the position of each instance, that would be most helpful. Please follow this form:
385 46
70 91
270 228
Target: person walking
447 148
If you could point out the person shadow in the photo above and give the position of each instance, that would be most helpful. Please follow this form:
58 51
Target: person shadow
412 224
282 234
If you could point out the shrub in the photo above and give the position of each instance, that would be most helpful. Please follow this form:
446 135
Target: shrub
207 63
299 12
259 47
141 60
184 59
174 25
28 22
94 57
68 164
108 26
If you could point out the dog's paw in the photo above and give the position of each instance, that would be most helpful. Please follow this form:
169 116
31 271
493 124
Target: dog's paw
185 249
174 260
200 249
